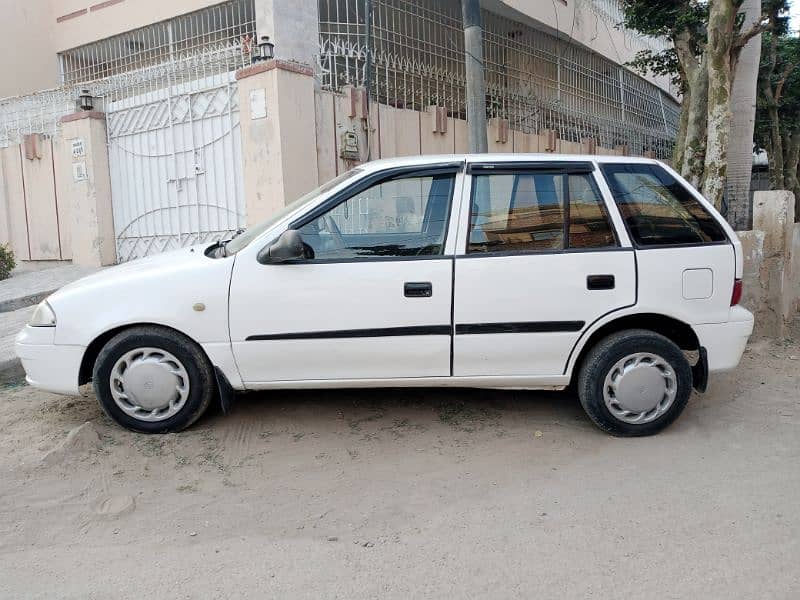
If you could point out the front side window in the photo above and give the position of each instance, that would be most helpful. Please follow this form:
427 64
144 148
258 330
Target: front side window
537 212
241 241
657 209
399 217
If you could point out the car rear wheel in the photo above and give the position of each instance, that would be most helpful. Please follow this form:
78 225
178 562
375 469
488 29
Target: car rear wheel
634 383
153 380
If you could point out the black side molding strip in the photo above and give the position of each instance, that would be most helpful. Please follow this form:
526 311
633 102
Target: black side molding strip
356 333
527 327
463 329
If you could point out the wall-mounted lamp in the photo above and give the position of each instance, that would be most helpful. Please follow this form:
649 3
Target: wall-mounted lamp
85 100
266 49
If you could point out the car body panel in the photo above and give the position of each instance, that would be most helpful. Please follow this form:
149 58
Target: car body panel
521 290
167 290
360 306
221 302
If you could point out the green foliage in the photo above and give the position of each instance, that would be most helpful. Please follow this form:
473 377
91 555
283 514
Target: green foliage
7 262
667 18
670 19
658 63
786 68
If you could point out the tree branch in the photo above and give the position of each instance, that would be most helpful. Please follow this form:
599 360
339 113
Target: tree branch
755 29
782 81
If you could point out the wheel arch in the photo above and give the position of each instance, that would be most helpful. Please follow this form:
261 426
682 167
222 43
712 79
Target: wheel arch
96 345
679 332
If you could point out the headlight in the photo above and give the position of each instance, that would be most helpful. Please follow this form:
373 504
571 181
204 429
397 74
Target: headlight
43 316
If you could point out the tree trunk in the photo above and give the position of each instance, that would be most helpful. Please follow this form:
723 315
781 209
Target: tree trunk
721 21
690 145
776 166
679 150
697 125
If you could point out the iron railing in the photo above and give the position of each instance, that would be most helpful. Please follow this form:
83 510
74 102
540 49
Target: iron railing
534 79
228 24
205 46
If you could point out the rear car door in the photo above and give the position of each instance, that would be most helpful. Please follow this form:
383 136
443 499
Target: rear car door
540 261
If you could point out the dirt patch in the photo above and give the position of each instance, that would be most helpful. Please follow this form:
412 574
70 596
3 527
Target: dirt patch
408 493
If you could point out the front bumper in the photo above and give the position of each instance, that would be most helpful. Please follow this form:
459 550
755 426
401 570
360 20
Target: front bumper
50 367
725 342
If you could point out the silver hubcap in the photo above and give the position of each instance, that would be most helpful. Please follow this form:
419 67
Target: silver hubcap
640 388
149 384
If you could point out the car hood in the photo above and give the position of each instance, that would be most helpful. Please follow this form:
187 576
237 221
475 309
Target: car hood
150 267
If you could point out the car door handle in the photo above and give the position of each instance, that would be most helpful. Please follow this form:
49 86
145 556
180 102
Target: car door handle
600 282
418 289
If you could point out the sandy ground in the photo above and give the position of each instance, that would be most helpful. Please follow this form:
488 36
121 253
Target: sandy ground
409 494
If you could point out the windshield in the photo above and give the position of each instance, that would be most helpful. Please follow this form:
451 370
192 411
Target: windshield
253 232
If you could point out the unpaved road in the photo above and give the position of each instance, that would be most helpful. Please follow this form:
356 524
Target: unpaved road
409 494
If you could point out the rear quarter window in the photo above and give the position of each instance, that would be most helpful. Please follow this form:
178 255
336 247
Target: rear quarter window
657 209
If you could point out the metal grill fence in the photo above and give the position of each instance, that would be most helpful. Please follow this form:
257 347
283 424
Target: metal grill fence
534 79
221 25
194 51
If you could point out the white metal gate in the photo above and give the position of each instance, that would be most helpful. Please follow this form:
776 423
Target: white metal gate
175 160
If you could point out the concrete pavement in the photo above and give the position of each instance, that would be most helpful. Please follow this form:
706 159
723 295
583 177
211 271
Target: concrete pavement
27 288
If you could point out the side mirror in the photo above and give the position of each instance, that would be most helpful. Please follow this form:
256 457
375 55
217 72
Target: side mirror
289 246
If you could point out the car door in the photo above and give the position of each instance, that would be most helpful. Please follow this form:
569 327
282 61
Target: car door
373 298
539 261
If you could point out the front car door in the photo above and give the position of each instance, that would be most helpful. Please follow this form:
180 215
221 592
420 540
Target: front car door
540 260
373 298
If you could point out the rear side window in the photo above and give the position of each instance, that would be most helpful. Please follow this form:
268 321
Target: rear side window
537 212
657 209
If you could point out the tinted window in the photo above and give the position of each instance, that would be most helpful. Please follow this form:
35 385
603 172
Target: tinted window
657 209
526 212
399 217
589 225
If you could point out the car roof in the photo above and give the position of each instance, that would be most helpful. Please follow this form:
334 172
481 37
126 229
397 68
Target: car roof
434 159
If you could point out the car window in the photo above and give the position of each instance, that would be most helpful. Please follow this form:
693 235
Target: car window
399 217
241 241
657 209
589 223
529 212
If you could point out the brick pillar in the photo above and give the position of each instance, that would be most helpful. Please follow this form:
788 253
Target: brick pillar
279 138
85 185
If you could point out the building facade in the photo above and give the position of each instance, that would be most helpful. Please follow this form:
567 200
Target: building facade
186 135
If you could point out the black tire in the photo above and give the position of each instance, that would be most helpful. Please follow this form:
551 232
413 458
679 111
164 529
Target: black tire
202 383
602 358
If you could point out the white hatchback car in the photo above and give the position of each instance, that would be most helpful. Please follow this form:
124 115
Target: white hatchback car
490 271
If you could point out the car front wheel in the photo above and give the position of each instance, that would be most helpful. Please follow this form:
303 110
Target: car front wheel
634 383
153 380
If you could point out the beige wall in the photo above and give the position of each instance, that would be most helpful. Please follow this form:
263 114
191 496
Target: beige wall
117 18
30 31
26 47
392 132
45 214
278 150
38 225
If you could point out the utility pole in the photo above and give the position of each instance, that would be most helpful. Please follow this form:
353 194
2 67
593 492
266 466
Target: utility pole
476 84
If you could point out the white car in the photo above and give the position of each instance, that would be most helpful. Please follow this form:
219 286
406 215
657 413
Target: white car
489 271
